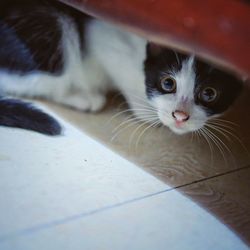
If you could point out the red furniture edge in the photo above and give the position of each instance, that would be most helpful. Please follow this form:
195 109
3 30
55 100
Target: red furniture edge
216 30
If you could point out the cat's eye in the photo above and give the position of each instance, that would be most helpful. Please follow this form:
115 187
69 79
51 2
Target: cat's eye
208 95
168 84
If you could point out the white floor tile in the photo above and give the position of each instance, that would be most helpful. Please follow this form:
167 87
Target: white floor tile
45 178
167 221
71 193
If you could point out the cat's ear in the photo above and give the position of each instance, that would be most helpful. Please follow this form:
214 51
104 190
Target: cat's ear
154 49
245 78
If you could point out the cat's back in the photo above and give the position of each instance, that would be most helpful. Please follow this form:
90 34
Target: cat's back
31 35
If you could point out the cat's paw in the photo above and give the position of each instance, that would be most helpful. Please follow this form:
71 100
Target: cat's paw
96 102
86 103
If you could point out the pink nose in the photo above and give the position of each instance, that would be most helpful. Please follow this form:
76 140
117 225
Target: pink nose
180 116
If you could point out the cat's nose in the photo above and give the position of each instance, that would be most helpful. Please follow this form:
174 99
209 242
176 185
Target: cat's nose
180 116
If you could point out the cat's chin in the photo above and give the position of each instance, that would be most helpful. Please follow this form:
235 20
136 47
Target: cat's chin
184 129
179 131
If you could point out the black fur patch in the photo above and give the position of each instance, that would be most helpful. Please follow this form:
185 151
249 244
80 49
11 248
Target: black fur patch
20 114
227 85
160 59
31 35
13 53
35 25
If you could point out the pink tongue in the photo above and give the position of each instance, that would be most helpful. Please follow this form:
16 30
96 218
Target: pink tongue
178 123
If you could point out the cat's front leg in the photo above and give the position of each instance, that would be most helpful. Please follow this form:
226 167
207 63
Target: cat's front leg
87 102
86 88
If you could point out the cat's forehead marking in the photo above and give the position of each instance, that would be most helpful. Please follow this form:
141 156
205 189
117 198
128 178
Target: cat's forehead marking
185 79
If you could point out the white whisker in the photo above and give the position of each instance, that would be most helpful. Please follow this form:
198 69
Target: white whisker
135 131
124 128
219 143
216 143
219 130
225 121
130 119
130 110
154 124
230 133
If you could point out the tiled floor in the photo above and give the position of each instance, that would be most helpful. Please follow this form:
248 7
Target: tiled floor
72 192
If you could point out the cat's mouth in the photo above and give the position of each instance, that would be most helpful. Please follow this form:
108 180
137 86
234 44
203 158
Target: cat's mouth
178 122
181 121
179 129
184 127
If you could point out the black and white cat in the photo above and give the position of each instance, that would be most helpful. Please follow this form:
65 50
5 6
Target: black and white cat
51 51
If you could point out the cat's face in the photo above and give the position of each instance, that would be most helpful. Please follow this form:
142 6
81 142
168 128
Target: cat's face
185 91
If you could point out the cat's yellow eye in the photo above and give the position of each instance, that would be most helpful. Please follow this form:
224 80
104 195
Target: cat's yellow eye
168 84
208 95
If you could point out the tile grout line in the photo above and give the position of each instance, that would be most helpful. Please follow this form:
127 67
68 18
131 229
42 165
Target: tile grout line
211 177
40 227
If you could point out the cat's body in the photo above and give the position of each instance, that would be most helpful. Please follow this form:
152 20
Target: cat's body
51 51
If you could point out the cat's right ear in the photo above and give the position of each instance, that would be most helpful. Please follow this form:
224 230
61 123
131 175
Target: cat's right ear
153 49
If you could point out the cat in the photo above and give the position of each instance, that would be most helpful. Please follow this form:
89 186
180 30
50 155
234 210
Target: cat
52 51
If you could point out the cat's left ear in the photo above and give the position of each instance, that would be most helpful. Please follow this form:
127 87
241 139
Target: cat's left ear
154 49
245 78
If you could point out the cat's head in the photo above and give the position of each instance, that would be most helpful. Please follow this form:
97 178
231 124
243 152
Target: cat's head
186 91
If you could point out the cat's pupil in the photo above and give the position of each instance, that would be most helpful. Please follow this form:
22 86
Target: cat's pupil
168 84
208 94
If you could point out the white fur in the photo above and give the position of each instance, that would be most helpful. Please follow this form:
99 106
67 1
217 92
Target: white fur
182 100
122 54
77 86
114 60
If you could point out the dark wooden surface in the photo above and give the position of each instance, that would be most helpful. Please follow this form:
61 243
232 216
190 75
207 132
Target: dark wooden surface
218 30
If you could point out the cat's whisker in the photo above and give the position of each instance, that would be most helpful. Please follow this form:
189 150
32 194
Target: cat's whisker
220 144
154 124
122 105
225 121
215 142
219 130
143 99
192 136
117 95
228 126
130 124
144 109
130 119
230 133
222 128
135 131
144 106
209 144
165 114
118 114
130 110
197 134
